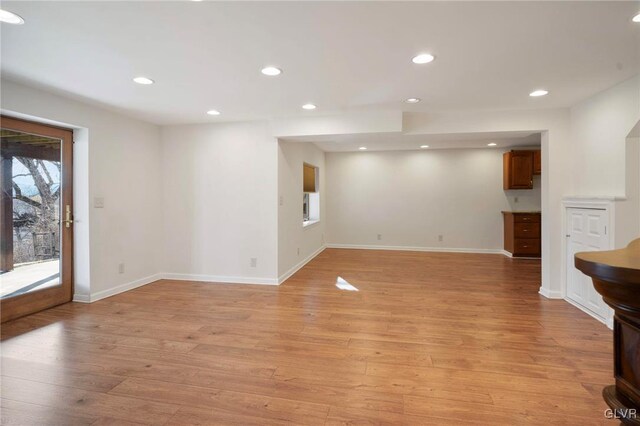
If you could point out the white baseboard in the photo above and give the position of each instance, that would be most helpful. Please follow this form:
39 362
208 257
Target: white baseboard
82 298
506 253
550 294
298 266
609 322
606 321
428 249
222 279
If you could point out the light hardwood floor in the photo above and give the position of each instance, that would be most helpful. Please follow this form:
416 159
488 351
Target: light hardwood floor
429 338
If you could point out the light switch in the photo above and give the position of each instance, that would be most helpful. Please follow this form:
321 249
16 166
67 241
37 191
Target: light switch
98 202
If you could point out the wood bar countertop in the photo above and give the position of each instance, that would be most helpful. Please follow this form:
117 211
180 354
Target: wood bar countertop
619 266
616 276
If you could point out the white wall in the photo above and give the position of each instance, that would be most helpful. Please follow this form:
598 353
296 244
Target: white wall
412 197
600 126
628 211
295 242
117 158
220 202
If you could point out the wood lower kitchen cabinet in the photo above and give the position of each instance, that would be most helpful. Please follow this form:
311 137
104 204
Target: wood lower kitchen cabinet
522 233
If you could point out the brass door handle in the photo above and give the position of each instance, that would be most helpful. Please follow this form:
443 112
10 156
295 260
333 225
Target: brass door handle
67 217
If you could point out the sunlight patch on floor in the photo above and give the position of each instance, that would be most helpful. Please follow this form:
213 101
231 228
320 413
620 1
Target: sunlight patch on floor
343 284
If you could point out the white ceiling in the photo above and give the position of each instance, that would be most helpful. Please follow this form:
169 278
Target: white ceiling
403 142
342 56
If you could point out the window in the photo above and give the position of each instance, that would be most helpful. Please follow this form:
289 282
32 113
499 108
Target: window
310 195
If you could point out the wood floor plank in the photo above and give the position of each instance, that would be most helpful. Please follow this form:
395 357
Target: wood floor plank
43 373
428 338
86 403
486 414
235 402
15 413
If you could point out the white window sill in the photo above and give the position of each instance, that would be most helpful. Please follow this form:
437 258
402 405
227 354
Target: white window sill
307 223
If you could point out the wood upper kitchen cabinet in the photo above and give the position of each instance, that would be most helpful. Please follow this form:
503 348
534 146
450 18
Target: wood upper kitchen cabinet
517 171
537 162
522 233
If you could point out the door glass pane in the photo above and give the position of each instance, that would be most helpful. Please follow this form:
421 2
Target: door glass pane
30 213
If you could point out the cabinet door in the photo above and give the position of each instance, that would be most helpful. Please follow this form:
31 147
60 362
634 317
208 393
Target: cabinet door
537 162
521 170
586 232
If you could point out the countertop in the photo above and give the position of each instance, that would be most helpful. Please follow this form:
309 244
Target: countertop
522 211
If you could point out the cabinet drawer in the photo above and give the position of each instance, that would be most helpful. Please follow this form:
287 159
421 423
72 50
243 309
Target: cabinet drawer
526 246
527 230
527 218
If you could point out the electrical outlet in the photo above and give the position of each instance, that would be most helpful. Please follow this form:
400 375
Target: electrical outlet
98 202
440 238
281 200
515 199
298 251
121 268
253 262
379 237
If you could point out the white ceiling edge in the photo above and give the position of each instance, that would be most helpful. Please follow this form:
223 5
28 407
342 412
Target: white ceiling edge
387 131
400 142
296 129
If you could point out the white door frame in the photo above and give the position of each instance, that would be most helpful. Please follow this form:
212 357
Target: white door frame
599 203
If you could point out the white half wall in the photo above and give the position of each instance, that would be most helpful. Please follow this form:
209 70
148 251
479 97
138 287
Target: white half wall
117 158
297 244
409 198
220 186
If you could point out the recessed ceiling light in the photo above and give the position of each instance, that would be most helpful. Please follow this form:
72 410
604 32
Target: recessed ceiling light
308 106
10 17
413 100
213 111
424 146
143 80
492 144
540 92
423 58
271 71
363 148
636 18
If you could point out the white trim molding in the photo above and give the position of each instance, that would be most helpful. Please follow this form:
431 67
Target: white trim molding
299 265
550 294
83 298
608 321
220 279
427 249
